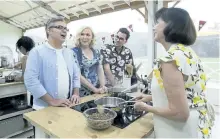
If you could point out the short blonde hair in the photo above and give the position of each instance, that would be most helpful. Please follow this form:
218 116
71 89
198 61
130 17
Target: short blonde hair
78 34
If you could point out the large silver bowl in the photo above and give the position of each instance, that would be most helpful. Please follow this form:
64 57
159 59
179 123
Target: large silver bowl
109 102
95 122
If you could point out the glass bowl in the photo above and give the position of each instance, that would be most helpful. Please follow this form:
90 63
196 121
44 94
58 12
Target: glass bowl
99 118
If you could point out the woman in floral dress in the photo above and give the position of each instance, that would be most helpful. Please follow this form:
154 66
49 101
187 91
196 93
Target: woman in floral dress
92 74
178 81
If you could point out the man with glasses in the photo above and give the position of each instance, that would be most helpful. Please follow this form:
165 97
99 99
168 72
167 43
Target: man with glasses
51 75
117 58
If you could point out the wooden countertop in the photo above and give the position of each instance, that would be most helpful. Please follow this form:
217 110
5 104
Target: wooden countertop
63 122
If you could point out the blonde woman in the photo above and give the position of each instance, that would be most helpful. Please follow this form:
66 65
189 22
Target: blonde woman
92 74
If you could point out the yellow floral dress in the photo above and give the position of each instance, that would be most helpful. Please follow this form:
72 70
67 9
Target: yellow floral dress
200 122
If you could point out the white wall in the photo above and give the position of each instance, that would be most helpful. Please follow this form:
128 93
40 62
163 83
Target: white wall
9 35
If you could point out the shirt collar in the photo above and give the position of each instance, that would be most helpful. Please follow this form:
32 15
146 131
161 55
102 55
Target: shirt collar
51 47
114 49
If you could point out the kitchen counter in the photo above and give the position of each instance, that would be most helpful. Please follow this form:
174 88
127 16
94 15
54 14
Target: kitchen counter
61 122
12 83
12 89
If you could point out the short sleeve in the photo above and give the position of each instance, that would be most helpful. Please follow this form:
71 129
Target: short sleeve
183 60
104 56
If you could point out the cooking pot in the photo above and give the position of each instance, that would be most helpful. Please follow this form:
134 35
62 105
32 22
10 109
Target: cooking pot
10 78
19 104
109 102
119 105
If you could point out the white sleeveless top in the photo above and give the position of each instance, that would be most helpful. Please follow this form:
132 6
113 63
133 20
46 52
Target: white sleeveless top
199 122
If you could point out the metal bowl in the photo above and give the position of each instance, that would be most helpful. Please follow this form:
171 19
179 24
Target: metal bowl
95 122
115 89
109 102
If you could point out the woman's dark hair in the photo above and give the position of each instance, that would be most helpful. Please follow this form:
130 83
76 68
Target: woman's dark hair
26 42
180 27
125 31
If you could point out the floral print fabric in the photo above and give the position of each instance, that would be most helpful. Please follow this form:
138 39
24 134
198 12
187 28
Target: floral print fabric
116 60
195 85
89 69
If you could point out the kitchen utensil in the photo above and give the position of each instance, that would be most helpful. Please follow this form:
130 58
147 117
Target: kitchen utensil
99 121
9 78
19 104
134 94
129 88
11 72
100 109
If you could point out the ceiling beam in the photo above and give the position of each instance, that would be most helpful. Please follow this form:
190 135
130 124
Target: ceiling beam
24 12
32 7
3 18
146 13
140 12
111 5
82 9
165 4
73 12
19 23
128 2
49 8
16 25
134 5
8 21
174 5
95 6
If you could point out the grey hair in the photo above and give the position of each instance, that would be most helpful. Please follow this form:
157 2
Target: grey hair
51 22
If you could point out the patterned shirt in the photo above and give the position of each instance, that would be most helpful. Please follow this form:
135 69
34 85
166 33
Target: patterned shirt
89 68
116 60
189 65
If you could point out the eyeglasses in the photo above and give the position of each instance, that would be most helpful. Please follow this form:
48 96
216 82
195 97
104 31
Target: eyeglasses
60 27
120 38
